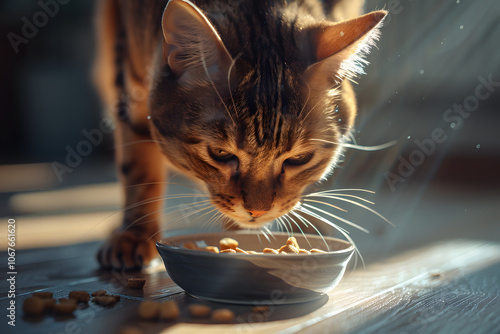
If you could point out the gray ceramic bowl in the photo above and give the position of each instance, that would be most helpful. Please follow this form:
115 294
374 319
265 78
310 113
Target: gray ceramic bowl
261 278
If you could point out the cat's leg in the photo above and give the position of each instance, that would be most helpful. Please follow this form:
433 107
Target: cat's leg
140 164
141 167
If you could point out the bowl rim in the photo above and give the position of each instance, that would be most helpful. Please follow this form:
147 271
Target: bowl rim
160 244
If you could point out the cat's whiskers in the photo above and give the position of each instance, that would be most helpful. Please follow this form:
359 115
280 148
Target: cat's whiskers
312 109
344 232
233 62
338 195
265 235
260 241
282 223
287 221
352 138
289 218
348 222
191 206
140 203
344 189
307 99
214 219
152 200
351 202
200 206
209 222
176 220
158 198
230 221
265 228
341 195
331 205
204 63
206 213
358 147
307 224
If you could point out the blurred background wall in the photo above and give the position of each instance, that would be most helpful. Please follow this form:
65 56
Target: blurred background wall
46 96
47 99
432 57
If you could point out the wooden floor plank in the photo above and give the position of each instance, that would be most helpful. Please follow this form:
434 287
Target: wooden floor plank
425 288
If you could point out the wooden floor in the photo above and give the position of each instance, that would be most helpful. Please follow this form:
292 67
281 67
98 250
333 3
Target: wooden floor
438 271
449 287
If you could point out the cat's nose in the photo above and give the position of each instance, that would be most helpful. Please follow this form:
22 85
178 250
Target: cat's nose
257 214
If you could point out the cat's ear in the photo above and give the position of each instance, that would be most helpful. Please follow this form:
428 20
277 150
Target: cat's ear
338 48
191 46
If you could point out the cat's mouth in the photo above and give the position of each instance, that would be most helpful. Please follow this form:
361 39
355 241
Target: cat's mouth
253 223
242 218
245 219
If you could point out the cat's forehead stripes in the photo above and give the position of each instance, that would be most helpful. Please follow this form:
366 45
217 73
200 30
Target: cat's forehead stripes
262 40
264 99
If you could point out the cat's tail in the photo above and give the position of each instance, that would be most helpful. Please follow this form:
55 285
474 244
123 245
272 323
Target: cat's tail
107 33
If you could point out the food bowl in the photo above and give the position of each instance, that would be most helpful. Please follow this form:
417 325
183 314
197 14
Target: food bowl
255 278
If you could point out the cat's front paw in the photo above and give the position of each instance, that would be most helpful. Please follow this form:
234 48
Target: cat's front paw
127 250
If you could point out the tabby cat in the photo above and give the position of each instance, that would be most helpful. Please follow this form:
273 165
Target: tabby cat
248 97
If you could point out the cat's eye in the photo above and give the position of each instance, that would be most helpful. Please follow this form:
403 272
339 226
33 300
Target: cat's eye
299 160
221 155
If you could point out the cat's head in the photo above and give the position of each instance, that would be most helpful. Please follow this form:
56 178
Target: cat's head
257 115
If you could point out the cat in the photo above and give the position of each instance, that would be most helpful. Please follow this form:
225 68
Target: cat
247 97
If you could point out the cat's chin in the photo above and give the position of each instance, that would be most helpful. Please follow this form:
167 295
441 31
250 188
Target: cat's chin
251 225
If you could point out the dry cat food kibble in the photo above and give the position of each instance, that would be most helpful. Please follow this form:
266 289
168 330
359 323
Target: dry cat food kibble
136 283
212 249
130 330
106 300
67 306
42 302
260 309
67 300
43 294
169 311
191 245
222 315
99 293
33 306
101 297
49 303
149 310
291 241
199 310
80 296
289 249
230 245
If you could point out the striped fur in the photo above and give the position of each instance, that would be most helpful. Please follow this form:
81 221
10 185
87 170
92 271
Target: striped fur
243 96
